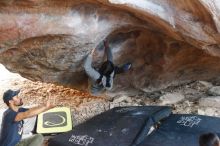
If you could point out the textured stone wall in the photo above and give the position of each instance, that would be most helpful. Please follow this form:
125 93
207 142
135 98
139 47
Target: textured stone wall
167 41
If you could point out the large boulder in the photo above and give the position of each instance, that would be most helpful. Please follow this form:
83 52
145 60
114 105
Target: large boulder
169 42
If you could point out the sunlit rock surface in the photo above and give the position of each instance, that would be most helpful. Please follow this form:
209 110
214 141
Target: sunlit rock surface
168 41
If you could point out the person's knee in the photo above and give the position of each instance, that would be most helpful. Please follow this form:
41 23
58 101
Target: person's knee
209 139
39 138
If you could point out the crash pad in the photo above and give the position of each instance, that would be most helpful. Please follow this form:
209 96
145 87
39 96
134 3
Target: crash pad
56 120
121 126
182 130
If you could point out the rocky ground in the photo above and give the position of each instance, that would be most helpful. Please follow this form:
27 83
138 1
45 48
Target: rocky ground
198 97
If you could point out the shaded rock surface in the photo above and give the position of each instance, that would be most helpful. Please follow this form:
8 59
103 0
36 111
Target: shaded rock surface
214 91
169 42
171 98
211 101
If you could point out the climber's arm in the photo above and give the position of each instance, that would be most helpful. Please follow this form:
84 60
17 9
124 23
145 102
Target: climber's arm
108 51
90 71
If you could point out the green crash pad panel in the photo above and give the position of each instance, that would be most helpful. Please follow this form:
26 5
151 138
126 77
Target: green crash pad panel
56 120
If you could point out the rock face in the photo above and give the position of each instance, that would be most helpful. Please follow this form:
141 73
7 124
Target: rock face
210 101
171 98
214 91
168 41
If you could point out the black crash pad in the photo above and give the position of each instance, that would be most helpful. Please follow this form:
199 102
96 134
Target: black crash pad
121 126
182 130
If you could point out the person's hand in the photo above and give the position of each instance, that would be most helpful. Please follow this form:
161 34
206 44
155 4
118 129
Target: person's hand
49 105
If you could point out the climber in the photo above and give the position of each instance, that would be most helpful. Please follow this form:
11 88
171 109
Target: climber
102 79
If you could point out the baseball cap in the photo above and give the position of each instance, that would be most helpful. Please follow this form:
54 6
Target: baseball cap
9 94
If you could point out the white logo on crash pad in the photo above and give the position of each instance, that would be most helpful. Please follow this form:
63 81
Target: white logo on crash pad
83 140
189 121
52 124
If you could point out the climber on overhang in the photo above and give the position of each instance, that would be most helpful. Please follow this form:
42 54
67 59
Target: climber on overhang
102 79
